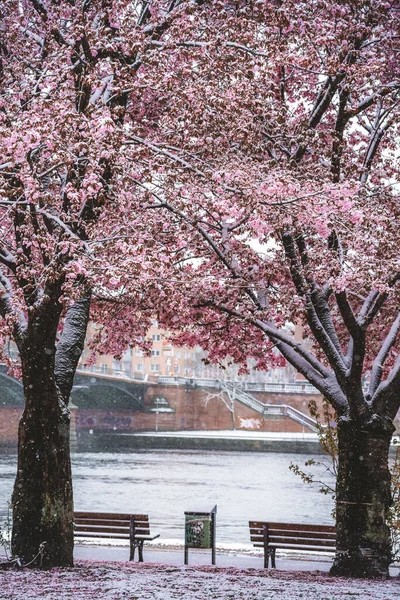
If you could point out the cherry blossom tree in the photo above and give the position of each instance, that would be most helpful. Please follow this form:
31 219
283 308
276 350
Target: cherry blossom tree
273 175
68 81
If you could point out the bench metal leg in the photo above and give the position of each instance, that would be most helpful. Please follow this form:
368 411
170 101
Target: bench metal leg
266 559
140 548
266 549
132 552
132 539
269 552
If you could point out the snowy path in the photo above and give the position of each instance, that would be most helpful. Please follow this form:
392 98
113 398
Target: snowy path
124 581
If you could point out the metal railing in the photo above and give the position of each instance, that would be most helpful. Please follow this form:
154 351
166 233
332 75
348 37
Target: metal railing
297 415
278 388
283 388
236 393
111 372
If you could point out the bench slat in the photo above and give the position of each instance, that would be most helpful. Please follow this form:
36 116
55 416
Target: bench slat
255 534
98 534
298 534
110 516
114 524
298 547
292 526
139 538
299 541
120 523
119 530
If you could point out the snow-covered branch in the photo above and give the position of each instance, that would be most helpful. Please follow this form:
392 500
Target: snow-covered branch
158 149
316 307
387 398
372 98
71 343
378 364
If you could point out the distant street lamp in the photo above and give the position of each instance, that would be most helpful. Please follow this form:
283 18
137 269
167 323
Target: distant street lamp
157 412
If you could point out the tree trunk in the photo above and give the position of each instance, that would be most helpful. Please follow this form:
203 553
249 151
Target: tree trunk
42 499
42 533
363 498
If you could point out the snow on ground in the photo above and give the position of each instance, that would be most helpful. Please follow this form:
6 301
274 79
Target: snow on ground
133 581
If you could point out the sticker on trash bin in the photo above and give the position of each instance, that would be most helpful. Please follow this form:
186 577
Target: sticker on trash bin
198 531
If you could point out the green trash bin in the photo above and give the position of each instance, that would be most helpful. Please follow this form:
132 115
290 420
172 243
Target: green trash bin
200 531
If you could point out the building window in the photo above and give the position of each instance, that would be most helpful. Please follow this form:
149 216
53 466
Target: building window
154 368
156 337
138 352
140 367
155 352
177 354
103 368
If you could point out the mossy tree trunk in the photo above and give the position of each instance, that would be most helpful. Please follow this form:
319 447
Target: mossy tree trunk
363 499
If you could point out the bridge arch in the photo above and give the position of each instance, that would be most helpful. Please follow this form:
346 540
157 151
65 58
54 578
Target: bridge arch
104 395
11 391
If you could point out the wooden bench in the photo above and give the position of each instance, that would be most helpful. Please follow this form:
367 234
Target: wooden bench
293 536
135 528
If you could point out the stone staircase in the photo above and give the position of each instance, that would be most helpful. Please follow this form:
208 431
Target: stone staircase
234 391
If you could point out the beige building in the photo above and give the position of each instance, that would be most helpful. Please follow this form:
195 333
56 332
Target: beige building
169 360
165 359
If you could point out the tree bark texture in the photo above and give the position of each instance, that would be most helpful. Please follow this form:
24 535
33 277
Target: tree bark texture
42 497
363 498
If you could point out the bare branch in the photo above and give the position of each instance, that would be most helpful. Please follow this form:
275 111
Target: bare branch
7 309
7 259
40 8
175 158
386 400
348 316
378 364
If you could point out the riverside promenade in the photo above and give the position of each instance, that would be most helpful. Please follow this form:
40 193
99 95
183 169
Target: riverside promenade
219 440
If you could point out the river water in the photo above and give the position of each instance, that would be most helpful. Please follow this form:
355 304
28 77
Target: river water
243 485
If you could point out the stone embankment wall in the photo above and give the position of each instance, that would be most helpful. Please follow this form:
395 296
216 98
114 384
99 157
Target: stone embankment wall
9 419
181 408
189 409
